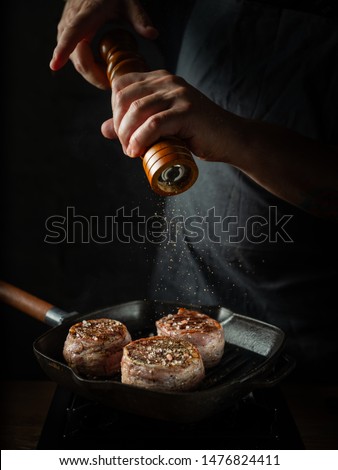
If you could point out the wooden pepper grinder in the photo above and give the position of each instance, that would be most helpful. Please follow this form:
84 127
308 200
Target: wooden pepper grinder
168 164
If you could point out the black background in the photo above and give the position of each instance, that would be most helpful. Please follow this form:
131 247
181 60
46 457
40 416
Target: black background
53 157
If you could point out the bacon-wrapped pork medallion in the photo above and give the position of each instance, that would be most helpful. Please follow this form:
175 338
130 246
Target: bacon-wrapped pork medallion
93 348
162 363
204 332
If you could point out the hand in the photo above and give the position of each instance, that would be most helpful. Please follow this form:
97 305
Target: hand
81 20
148 106
152 105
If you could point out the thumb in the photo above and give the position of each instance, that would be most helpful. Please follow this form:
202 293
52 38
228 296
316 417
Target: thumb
107 129
140 20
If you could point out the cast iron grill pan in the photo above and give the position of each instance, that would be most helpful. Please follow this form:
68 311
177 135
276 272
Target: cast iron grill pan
252 359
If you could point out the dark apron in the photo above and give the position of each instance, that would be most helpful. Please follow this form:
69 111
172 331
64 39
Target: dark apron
228 241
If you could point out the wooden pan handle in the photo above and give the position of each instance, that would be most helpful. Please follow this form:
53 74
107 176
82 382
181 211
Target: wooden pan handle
24 301
168 164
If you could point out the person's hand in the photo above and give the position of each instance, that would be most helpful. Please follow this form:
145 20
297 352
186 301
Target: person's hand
81 20
152 105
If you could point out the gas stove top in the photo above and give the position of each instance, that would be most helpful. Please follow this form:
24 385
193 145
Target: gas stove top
261 420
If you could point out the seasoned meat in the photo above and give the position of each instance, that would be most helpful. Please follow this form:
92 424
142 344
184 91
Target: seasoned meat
162 363
203 331
93 348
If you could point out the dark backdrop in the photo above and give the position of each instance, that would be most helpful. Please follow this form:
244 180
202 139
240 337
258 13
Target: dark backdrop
53 158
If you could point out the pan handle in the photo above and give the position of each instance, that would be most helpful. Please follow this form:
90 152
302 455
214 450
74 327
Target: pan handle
283 367
31 305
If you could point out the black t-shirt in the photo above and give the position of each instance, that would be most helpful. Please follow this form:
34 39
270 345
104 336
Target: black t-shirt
229 242
328 8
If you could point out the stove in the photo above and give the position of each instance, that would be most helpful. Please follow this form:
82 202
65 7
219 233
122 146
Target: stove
260 420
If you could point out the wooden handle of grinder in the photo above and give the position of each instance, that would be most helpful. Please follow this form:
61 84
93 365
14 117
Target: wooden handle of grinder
168 164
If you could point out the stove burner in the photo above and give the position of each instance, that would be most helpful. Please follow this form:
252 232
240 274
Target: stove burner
261 420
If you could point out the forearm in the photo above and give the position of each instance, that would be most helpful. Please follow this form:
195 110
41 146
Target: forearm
295 168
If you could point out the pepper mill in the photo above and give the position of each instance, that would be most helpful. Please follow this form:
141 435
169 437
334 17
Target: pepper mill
168 164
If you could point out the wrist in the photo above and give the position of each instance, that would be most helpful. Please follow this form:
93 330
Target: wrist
231 138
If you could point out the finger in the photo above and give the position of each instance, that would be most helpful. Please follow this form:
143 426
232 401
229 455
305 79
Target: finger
72 30
123 81
64 49
66 44
129 88
130 96
139 112
85 64
107 129
164 124
140 20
